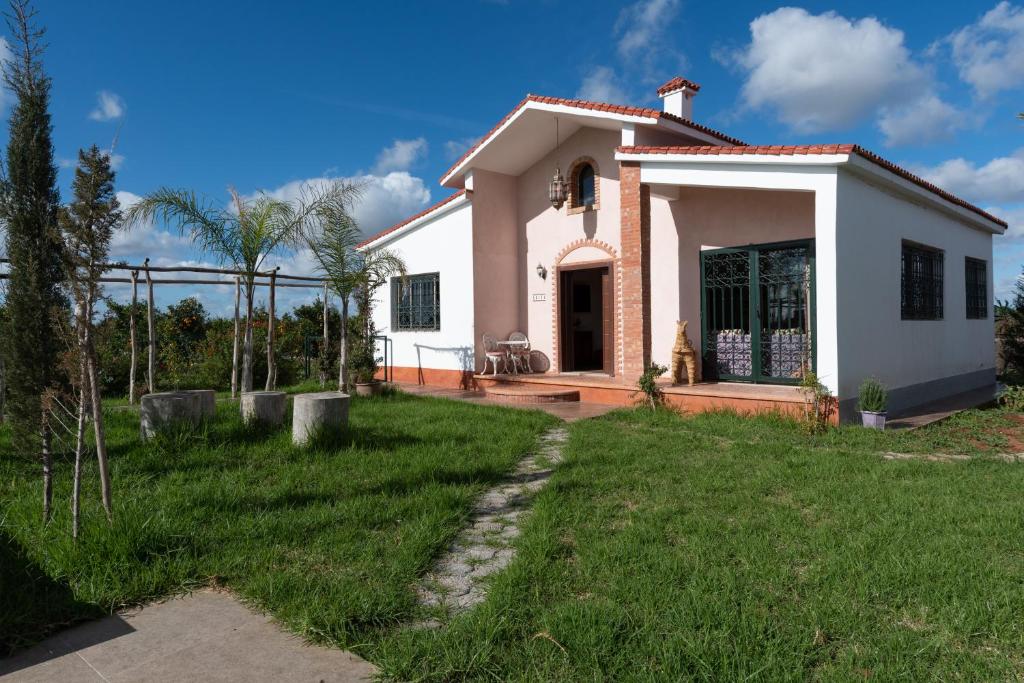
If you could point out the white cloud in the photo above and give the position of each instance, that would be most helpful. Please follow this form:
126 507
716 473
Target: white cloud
926 120
989 53
602 85
1013 216
109 106
400 156
386 199
642 26
146 240
824 71
1001 180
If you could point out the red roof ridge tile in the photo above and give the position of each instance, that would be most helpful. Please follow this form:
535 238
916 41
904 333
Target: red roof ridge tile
792 150
410 219
677 83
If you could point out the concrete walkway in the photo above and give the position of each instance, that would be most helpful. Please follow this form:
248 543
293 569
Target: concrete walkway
206 636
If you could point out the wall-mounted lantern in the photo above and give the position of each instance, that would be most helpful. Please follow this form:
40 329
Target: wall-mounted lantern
542 272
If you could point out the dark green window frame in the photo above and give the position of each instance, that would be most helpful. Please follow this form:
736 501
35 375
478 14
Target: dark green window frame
416 303
922 282
976 279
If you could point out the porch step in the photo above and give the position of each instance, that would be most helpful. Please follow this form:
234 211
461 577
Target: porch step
517 393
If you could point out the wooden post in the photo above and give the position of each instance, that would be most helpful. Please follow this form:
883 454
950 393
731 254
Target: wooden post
234 354
151 325
271 368
324 344
134 340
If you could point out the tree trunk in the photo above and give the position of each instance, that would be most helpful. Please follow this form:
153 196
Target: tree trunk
134 339
151 324
3 388
343 352
97 414
271 364
234 352
76 487
323 350
247 347
47 458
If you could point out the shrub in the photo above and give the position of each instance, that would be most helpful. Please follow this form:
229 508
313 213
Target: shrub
648 385
1012 398
819 405
873 396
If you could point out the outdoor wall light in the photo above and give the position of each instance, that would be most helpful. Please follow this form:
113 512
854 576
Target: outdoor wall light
542 272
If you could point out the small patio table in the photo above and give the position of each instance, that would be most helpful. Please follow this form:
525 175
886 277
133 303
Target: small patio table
512 346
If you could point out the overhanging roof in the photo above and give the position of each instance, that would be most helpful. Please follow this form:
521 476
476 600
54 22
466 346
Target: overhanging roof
526 133
796 154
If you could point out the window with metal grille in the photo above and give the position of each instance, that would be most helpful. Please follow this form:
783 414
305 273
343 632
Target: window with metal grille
977 288
922 283
416 304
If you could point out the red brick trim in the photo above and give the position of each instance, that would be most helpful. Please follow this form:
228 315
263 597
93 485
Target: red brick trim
615 263
806 150
572 206
435 377
635 207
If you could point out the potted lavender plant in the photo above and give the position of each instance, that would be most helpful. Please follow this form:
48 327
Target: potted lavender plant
872 403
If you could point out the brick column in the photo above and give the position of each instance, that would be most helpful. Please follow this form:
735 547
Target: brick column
635 227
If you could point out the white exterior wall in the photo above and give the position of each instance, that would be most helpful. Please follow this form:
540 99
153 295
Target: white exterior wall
873 339
439 245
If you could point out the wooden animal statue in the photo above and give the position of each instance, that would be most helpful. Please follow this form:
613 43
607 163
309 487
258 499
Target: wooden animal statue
683 354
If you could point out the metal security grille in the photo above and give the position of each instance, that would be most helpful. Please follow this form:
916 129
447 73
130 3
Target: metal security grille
977 288
416 304
922 283
756 312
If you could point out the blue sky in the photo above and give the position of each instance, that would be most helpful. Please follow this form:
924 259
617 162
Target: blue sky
265 95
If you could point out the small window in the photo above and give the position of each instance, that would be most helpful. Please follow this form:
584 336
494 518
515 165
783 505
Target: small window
584 191
416 303
977 288
922 283
585 185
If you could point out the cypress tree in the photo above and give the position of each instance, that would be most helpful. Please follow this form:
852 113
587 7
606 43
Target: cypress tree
29 209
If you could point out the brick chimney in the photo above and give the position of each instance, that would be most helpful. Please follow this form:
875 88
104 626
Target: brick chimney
677 97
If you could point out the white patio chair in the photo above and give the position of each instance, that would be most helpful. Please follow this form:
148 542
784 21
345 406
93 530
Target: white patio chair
520 353
493 353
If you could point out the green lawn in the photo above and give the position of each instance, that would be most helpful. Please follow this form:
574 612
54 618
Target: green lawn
330 541
714 547
664 547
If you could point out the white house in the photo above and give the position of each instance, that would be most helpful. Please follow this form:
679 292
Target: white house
782 259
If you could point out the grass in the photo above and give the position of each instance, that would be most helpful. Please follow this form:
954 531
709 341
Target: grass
663 548
715 547
331 540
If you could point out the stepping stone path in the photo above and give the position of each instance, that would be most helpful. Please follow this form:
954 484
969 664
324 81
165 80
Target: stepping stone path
456 583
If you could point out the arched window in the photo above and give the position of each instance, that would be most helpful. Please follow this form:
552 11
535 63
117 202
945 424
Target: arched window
585 185
584 189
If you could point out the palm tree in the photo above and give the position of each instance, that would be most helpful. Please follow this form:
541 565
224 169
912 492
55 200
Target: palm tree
348 270
243 234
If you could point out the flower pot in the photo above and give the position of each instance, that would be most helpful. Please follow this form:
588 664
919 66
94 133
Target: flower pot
872 420
373 388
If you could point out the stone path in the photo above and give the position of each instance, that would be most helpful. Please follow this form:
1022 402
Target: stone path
456 583
205 636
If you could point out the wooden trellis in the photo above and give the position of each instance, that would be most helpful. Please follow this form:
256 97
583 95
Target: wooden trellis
269 279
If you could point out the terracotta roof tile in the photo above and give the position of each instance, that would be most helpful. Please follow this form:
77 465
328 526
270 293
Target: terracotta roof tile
797 150
676 84
410 219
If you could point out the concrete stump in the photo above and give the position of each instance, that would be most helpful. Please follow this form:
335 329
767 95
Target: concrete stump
157 411
265 407
325 410
207 401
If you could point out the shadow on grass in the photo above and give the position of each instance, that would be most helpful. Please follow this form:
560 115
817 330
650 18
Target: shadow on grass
32 605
